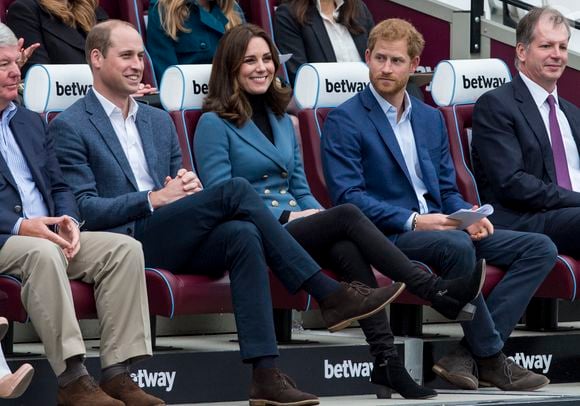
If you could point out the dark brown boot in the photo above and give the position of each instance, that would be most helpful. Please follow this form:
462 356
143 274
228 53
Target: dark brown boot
122 387
270 387
84 391
355 301
502 372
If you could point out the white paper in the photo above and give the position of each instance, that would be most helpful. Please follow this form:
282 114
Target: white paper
467 216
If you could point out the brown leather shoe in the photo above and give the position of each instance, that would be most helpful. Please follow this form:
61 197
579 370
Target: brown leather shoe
504 373
355 301
270 387
14 385
84 391
458 368
122 387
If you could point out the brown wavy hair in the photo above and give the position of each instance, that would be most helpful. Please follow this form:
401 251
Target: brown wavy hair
348 13
226 97
174 13
74 13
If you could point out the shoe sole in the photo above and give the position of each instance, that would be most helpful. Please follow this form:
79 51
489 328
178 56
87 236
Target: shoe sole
460 381
486 384
345 323
385 392
264 402
25 374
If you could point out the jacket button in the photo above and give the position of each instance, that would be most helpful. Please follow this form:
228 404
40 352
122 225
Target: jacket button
292 203
18 208
203 45
264 176
275 203
284 174
283 191
266 191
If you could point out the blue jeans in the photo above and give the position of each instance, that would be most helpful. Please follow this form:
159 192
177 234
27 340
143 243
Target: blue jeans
526 257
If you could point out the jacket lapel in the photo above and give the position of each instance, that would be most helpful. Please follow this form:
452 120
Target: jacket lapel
379 120
420 133
319 31
252 135
532 115
103 125
143 123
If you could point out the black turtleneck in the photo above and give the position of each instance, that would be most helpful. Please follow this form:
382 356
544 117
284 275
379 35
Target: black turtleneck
260 115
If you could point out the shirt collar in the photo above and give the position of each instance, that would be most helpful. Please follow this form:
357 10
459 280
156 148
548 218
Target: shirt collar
8 113
337 5
390 110
539 94
110 108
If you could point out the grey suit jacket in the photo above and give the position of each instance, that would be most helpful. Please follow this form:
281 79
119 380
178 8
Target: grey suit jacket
96 167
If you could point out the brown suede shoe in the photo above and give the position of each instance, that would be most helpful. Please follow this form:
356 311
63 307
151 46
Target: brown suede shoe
502 372
122 387
84 391
355 301
458 368
270 387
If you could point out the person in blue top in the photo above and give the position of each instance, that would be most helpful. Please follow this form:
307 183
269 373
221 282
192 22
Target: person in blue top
245 133
188 31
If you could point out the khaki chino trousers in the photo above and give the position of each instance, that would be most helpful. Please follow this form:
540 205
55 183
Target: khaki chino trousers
113 263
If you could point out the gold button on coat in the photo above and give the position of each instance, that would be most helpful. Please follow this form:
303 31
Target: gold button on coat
283 191
266 191
292 203
284 174
275 203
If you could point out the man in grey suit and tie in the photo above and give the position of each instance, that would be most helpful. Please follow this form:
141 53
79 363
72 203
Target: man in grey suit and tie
124 164
40 243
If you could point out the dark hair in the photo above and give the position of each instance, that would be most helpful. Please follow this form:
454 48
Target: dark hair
348 15
226 97
99 37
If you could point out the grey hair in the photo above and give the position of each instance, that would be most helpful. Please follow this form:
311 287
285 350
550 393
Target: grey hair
7 37
527 25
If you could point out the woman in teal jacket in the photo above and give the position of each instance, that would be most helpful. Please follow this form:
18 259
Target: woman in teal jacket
188 31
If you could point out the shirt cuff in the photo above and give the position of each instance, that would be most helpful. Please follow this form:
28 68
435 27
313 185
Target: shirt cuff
149 201
409 223
16 228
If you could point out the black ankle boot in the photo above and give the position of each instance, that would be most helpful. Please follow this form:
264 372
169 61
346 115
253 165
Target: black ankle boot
451 297
390 375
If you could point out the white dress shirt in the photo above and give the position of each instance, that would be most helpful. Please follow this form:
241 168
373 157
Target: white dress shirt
128 135
340 38
539 94
406 140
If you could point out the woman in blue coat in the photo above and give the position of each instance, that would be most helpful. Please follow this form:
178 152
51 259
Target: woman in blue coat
188 31
246 133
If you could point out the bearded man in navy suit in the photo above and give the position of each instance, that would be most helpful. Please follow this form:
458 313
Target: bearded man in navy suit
526 138
388 153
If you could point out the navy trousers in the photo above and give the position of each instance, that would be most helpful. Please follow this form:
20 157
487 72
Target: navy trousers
526 257
227 227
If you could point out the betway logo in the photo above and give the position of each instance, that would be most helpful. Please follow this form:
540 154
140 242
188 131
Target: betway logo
541 362
202 88
344 86
482 82
73 89
146 379
347 369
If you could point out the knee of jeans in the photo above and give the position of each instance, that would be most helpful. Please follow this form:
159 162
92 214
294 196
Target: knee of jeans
544 247
459 247
243 233
239 183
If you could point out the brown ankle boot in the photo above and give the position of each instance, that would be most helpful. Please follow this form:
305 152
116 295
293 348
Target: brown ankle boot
84 391
355 301
270 387
122 387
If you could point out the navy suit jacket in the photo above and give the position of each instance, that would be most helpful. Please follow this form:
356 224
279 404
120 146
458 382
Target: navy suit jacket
38 150
224 151
95 165
512 156
364 165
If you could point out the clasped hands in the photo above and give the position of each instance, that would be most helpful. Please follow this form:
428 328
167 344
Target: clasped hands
184 184
66 234
440 222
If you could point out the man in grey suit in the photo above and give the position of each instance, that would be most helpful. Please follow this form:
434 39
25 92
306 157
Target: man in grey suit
124 164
